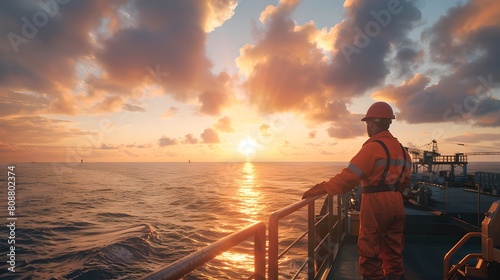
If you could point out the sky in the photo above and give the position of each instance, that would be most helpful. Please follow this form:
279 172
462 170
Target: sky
229 81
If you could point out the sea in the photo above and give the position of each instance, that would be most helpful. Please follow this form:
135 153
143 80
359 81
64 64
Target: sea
125 220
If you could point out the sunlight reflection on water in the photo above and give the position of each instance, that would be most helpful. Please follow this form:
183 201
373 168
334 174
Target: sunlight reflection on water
250 198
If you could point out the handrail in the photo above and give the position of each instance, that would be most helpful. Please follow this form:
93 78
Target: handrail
334 230
189 263
273 233
453 250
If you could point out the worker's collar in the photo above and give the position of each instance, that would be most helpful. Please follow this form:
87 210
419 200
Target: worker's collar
380 135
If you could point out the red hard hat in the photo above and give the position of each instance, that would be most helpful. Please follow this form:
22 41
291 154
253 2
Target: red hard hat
379 110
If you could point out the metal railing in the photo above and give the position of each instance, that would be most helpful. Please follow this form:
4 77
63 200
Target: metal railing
191 262
449 272
322 250
336 229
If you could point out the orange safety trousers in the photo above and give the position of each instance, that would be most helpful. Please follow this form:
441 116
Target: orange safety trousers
381 235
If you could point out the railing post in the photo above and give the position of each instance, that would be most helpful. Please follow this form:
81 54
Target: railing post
260 253
272 250
311 236
331 241
341 205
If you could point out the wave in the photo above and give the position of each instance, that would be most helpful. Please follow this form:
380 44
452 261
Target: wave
93 255
114 215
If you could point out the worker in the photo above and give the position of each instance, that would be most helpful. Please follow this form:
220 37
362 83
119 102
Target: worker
383 167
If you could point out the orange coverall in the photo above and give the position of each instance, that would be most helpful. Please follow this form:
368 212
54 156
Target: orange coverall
382 214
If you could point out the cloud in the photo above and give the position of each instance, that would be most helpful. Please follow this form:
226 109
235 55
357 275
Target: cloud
38 130
94 56
144 146
110 103
46 41
133 108
210 136
408 57
168 38
312 134
299 68
347 128
466 43
363 42
190 139
170 112
109 147
224 124
140 146
166 141
265 130
326 153
219 12
474 137
14 103
215 99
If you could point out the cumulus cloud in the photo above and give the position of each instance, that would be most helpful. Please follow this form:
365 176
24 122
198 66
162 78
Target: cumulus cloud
97 55
166 141
224 124
210 136
190 139
218 12
465 41
408 58
171 35
300 68
42 52
346 128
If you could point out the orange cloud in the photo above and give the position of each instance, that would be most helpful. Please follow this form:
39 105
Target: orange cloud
312 134
170 112
210 136
190 139
299 68
37 130
224 124
78 63
166 141
466 42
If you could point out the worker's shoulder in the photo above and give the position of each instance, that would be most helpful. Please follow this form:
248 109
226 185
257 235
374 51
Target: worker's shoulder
373 146
381 143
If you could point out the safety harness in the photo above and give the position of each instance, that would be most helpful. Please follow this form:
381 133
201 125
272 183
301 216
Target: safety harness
382 185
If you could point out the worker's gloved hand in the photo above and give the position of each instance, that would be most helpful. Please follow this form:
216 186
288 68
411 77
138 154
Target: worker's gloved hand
316 190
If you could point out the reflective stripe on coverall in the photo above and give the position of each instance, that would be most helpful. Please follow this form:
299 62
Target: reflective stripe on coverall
382 214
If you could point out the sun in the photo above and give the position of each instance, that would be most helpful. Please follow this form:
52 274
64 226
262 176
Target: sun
247 147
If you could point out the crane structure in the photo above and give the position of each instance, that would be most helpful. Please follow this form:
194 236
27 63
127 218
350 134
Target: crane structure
430 160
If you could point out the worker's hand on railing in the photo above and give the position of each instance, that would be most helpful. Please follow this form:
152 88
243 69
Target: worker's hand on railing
316 190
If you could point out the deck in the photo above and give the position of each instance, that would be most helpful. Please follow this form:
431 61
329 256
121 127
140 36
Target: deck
429 234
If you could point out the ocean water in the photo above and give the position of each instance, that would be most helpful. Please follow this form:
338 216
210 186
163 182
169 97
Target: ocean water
125 220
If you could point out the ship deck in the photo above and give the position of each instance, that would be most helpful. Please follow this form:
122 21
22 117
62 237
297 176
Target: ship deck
430 232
